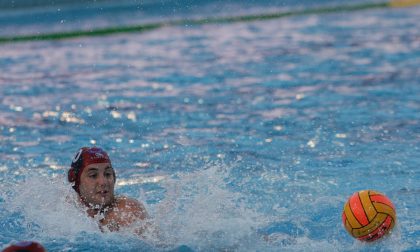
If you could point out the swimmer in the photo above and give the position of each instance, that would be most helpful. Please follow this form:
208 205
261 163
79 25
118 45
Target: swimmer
93 178
25 246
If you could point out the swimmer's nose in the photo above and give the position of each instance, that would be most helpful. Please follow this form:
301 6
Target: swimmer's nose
102 180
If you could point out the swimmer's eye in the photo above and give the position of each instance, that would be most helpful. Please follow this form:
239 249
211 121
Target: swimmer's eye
93 175
108 174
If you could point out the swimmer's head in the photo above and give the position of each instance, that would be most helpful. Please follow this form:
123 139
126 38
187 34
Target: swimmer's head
84 157
25 246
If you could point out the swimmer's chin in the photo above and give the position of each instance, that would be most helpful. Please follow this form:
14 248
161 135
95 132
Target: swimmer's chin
100 204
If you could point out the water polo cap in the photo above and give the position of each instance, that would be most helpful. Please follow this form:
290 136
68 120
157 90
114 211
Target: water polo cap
25 246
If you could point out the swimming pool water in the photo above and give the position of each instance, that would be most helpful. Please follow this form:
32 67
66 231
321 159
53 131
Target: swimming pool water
237 137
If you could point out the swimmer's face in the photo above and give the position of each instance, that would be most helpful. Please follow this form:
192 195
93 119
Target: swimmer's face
97 185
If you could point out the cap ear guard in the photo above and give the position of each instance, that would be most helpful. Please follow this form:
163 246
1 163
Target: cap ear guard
71 175
76 165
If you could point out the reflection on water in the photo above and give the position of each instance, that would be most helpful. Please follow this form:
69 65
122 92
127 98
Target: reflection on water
246 136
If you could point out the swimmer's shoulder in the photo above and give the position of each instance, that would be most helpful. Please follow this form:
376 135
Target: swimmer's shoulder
131 206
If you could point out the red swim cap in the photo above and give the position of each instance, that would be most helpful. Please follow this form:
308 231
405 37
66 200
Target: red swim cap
84 157
25 246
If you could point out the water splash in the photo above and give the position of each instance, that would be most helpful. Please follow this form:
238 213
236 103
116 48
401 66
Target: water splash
201 212
44 209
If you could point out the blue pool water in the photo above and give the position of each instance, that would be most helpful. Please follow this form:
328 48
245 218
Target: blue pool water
237 137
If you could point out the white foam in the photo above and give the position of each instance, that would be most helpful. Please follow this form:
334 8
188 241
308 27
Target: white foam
50 204
198 210
201 212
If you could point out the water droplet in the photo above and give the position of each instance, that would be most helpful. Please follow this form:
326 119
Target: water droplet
115 114
311 143
300 96
278 127
339 135
132 116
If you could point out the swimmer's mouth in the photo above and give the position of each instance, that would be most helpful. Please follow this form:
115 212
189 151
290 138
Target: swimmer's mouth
103 193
